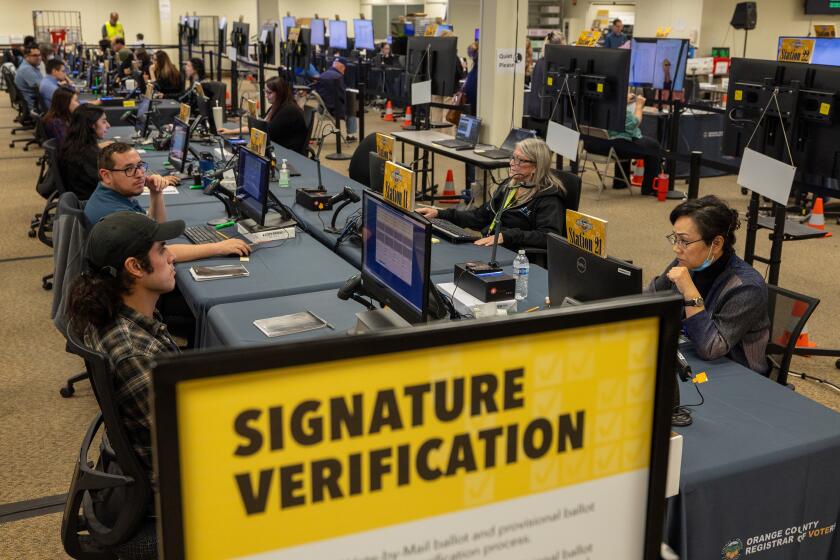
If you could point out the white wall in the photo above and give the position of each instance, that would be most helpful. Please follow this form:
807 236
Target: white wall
465 16
775 18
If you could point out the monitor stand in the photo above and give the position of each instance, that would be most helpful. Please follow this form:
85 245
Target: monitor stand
378 320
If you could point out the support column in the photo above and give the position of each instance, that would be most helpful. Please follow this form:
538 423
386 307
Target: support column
501 67
267 10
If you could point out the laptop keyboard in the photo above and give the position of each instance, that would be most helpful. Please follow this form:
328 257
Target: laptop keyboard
453 233
201 234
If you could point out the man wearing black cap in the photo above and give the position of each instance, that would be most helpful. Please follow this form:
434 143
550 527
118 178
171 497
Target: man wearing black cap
122 176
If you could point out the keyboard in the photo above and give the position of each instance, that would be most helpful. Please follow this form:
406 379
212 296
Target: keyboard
496 153
454 144
453 233
199 235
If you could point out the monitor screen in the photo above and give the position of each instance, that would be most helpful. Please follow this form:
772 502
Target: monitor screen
288 23
252 185
178 145
338 34
441 28
468 127
578 274
142 115
376 169
395 257
317 28
259 124
363 31
826 50
651 58
206 112
516 135
822 7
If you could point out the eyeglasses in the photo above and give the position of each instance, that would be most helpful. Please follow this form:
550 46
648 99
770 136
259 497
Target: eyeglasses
519 161
131 170
681 243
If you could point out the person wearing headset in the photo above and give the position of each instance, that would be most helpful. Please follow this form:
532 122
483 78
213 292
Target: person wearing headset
725 298
531 201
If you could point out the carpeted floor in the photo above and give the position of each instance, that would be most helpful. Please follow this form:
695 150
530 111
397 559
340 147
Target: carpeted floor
42 432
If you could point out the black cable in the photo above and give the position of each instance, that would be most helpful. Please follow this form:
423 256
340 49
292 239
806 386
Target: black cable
681 415
806 377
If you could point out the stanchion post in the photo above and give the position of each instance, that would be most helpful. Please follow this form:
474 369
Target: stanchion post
261 77
360 109
694 174
234 86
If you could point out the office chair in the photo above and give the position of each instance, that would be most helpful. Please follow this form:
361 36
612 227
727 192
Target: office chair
326 120
309 114
572 184
789 312
216 91
594 152
109 500
359 169
69 238
25 117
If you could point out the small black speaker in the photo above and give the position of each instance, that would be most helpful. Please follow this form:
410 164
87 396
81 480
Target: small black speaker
745 16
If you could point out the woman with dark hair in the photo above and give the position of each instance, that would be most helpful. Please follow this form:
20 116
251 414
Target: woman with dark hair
725 298
533 198
141 74
286 125
165 75
79 154
194 70
57 119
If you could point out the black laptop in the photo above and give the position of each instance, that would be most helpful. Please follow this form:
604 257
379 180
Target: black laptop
515 135
466 136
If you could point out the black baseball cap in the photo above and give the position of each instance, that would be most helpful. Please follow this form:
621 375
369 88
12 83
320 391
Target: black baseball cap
121 235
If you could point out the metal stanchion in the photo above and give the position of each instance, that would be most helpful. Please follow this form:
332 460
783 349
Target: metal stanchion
694 174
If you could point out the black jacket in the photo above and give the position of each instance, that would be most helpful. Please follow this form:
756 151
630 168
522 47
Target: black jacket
288 128
523 225
330 86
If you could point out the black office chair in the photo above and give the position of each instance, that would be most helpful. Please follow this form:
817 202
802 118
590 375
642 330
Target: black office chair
215 91
310 118
359 169
25 117
108 501
789 312
572 184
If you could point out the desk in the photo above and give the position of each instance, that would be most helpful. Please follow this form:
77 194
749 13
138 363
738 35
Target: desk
423 140
758 458
294 266
166 108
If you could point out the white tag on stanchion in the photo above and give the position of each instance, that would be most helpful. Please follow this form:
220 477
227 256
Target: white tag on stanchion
421 92
562 140
231 53
767 176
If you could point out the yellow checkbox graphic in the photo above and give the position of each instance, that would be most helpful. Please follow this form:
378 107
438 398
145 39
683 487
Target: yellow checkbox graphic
639 389
608 426
635 453
610 393
546 473
479 488
607 459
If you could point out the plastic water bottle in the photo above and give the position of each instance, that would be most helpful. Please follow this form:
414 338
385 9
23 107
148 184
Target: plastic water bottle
520 272
283 177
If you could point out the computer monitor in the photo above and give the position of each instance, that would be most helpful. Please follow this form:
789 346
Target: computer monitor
316 26
597 80
252 185
435 59
239 36
826 50
442 27
179 145
517 135
303 49
259 124
206 112
363 32
579 275
268 42
396 253
338 34
141 123
288 23
399 46
649 57
807 97
468 128
376 170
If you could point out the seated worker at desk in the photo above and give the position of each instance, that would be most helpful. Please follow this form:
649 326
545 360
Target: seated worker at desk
113 308
725 298
122 177
630 142
533 199
57 120
385 57
286 125
78 156
165 75
56 77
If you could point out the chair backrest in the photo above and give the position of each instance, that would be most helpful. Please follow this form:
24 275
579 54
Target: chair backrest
217 91
788 312
359 169
572 183
600 133
115 494
309 113
69 238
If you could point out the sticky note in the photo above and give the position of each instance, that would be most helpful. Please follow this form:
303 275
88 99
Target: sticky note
550 81
129 103
244 259
700 377
600 88
825 108
739 94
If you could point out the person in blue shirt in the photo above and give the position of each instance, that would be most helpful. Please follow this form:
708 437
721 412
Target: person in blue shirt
330 86
122 176
630 143
28 77
55 78
615 38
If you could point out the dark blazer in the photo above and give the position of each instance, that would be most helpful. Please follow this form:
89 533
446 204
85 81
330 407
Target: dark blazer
330 86
288 128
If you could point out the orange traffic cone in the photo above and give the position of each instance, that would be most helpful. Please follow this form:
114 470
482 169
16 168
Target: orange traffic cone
638 173
802 341
817 220
449 189
407 118
389 111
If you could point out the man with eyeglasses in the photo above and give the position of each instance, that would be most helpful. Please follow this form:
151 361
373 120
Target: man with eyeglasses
28 77
122 177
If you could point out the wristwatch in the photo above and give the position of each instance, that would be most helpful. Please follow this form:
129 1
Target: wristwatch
695 302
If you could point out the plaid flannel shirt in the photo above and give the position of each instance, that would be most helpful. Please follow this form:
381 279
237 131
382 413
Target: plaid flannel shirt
132 342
